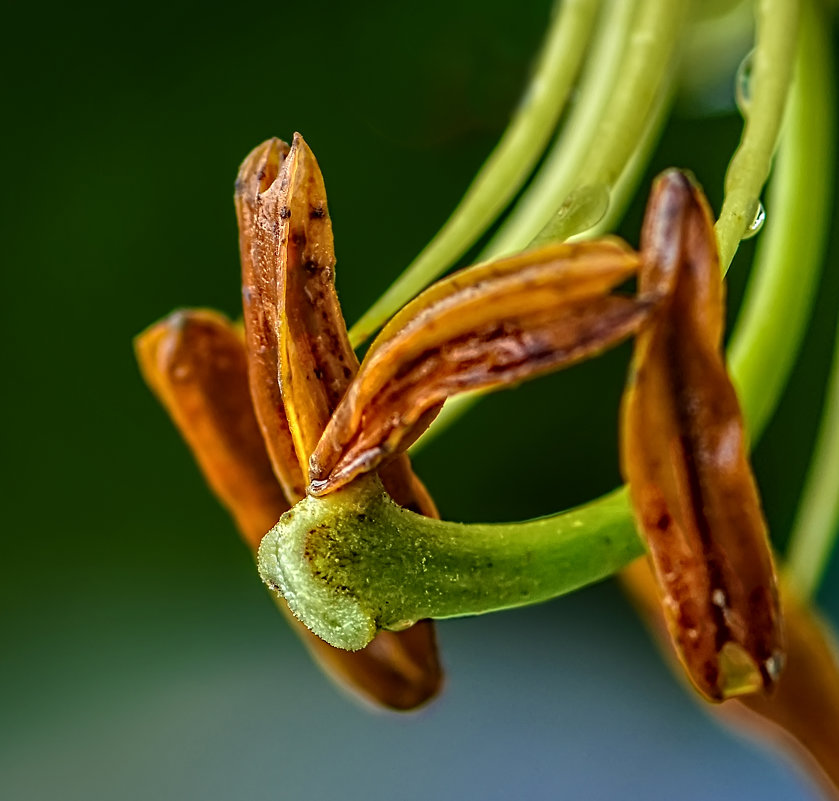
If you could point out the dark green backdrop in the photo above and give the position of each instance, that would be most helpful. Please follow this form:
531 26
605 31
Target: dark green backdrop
141 657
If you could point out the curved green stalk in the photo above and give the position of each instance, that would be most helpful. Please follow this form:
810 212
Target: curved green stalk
816 524
627 184
623 80
787 264
353 562
771 74
507 167
555 179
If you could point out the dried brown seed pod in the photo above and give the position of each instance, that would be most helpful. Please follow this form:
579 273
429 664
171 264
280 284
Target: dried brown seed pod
684 455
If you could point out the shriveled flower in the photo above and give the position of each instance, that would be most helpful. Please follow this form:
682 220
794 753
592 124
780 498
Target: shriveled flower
287 426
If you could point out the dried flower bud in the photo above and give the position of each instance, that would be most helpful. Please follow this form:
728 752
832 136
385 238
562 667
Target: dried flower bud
195 363
683 453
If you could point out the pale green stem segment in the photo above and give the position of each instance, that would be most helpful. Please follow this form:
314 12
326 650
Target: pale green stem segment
776 308
550 187
771 72
628 70
507 167
626 186
354 562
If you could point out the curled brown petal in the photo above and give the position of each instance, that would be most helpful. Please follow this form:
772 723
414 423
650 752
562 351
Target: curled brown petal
195 363
801 717
683 453
257 211
490 325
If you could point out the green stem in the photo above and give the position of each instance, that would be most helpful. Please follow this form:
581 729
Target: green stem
816 524
556 177
624 78
626 186
354 562
776 308
507 167
771 73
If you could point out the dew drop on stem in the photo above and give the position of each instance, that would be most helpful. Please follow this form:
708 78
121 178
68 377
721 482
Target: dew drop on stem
743 84
756 221
582 209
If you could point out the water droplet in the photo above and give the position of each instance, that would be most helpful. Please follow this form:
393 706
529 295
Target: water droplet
583 208
400 625
757 221
743 84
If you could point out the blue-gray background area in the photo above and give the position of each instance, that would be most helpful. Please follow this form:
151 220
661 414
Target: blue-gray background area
141 657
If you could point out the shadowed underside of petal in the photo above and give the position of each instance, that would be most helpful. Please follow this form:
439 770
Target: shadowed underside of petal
195 363
801 717
683 453
487 326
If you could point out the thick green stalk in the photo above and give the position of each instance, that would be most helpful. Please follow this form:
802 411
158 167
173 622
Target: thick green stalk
764 101
507 167
816 524
354 562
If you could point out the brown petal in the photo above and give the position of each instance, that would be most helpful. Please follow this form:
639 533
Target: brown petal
195 363
258 210
683 452
490 325
316 359
801 717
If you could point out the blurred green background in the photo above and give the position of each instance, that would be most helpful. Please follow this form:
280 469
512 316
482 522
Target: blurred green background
141 656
